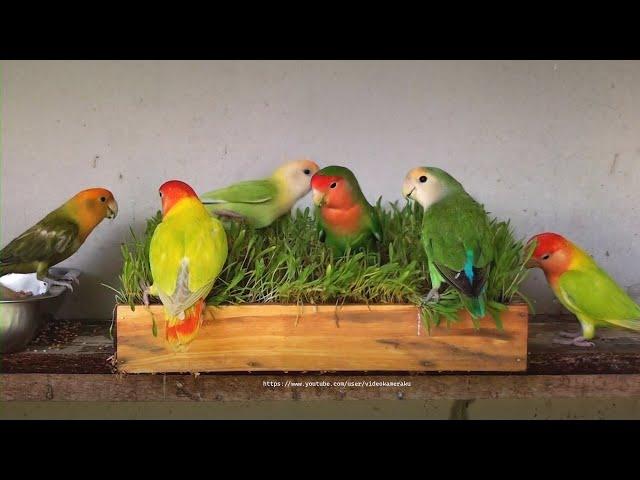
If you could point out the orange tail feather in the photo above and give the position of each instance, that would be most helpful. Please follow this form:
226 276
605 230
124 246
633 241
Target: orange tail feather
180 333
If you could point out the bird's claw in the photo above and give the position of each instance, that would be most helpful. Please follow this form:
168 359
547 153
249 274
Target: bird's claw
578 341
68 283
569 334
70 276
432 296
146 290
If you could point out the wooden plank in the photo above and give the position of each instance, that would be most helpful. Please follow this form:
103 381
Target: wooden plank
351 338
234 388
616 351
81 346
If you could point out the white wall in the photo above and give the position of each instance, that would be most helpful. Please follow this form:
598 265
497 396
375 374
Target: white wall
552 145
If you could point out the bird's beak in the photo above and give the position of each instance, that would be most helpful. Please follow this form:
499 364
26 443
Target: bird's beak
532 263
112 208
318 198
407 189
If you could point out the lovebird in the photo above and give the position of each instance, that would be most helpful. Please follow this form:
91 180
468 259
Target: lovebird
584 288
456 236
345 218
259 203
187 252
58 236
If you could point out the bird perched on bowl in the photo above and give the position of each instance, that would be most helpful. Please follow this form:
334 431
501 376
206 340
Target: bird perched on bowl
345 218
58 236
261 202
187 252
584 288
456 235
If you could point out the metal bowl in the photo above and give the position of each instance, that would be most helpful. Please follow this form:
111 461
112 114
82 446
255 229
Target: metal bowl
21 319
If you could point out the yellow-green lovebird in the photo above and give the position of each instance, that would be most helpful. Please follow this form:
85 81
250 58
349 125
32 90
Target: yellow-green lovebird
456 235
345 217
58 235
584 288
261 202
187 252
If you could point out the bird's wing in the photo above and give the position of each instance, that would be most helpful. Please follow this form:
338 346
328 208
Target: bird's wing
207 249
251 191
51 237
186 261
596 295
458 240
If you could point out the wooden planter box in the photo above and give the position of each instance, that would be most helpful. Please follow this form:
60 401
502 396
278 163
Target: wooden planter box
290 338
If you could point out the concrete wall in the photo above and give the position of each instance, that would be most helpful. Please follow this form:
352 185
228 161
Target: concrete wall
551 145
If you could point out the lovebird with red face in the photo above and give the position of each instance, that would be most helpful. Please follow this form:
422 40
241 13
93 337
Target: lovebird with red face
187 252
58 236
583 287
345 218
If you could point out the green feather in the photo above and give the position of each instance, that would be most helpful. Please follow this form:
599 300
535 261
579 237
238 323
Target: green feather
49 242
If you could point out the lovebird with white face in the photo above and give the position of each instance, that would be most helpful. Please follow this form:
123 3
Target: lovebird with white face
456 235
259 203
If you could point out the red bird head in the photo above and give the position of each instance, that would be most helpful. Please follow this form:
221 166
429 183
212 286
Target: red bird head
172 192
330 190
552 253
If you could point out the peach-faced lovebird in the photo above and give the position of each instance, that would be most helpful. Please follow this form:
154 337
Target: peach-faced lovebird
261 202
345 217
455 234
584 288
58 236
187 252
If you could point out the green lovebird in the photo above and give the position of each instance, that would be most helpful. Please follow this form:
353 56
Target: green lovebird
345 217
261 202
583 287
58 236
456 235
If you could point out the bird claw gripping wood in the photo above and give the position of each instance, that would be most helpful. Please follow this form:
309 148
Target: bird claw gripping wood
575 339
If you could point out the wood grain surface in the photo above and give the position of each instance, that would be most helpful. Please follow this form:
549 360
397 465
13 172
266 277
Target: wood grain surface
242 388
288 338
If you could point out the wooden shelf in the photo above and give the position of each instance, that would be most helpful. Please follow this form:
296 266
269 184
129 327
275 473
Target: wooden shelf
71 361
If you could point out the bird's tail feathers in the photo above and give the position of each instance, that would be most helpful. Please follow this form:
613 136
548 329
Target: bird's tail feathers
182 330
476 305
631 323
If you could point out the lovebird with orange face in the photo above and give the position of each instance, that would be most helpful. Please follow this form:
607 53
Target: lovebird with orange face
584 288
187 252
345 218
58 236
259 203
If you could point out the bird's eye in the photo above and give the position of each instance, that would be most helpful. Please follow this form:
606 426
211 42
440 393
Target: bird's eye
103 199
160 193
306 171
423 179
333 185
546 256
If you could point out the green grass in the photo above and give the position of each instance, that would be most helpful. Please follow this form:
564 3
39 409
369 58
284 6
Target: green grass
287 264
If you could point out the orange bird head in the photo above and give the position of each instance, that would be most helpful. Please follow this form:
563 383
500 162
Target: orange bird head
172 192
90 207
552 253
331 191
